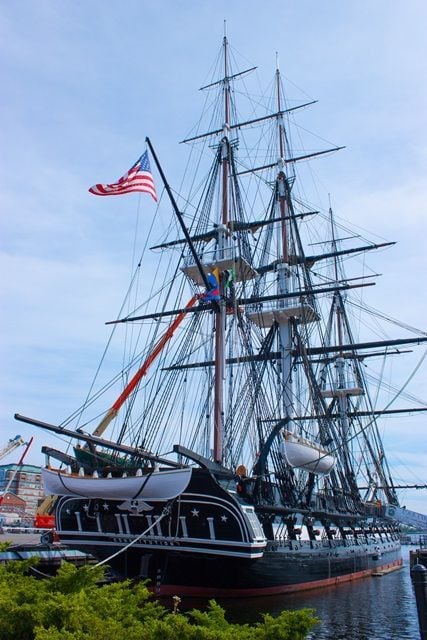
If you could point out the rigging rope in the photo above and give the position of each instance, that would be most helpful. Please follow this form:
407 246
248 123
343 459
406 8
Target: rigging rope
355 435
164 513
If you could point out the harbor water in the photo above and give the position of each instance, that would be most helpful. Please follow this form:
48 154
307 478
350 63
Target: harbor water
375 608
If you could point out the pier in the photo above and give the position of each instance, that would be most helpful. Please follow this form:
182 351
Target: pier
418 565
26 544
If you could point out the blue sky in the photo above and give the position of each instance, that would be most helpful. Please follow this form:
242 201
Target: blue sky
83 83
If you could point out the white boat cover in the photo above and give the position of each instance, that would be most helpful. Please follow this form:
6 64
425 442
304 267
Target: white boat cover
303 454
158 485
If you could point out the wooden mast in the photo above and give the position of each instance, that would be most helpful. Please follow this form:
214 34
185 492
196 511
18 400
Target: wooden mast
281 178
220 315
283 267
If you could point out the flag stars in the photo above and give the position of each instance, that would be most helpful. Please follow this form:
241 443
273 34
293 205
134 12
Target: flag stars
195 513
138 178
224 518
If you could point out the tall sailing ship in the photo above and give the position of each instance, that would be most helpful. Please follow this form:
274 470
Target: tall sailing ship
238 452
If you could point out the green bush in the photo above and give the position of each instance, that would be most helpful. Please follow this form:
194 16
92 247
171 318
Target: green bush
75 605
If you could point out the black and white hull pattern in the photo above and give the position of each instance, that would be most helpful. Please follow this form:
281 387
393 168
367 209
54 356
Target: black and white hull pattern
204 520
237 449
209 543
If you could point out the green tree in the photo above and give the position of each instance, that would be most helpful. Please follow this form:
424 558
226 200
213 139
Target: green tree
77 605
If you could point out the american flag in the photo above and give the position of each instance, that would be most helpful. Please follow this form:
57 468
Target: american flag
138 178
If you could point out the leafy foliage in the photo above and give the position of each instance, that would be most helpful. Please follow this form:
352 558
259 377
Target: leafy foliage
75 605
5 545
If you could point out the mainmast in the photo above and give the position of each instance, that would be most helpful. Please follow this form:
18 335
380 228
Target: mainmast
289 307
283 268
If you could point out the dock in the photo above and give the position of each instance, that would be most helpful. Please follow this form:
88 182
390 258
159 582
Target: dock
419 555
378 573
26 545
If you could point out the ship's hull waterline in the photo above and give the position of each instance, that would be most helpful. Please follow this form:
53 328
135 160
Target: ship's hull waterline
279 571
206 543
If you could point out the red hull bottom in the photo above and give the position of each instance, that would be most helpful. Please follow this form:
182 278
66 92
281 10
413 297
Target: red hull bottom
206 592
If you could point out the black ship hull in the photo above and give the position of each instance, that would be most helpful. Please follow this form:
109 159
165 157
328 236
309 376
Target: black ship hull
209 543
278 572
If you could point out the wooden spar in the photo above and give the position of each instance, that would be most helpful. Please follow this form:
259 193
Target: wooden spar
313 351
245 301
311 260
180 219
113 411
234 225
94 440
400 486
238 125
290 160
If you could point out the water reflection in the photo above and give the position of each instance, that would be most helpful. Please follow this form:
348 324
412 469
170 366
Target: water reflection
369 609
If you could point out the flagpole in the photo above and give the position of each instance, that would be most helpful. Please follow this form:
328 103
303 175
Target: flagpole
180 218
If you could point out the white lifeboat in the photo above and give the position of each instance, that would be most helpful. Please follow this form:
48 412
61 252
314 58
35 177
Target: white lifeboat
303 454
158 485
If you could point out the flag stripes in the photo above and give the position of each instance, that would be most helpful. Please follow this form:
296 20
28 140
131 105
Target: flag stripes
138 178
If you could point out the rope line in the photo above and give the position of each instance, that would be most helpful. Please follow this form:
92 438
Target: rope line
164 513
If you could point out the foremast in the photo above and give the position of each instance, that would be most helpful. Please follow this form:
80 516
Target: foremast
226 265
220 315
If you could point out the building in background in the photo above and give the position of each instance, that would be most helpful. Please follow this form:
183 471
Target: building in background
12 510
21 489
